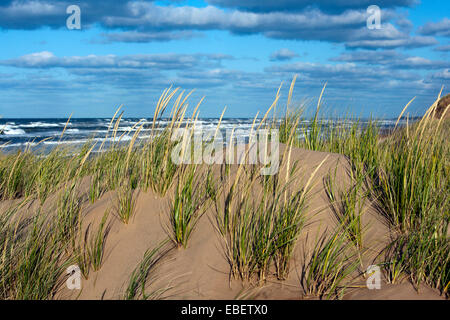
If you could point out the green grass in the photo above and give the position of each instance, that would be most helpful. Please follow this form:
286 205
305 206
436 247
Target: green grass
328 269
261 228
35 251
187 205
97 245
405 175
69 206
90 249
142 275
125 201
412 187
348 207
32 265
289 222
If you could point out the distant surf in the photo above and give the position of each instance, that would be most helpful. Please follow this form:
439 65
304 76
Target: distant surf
19 133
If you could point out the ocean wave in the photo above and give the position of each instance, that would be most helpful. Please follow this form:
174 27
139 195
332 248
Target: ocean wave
19 133
39 124
11 130
75 130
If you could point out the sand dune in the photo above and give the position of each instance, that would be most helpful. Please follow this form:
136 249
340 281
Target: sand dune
201 271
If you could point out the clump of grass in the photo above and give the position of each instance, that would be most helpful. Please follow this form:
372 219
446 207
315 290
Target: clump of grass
36 174
192 189
362 147
83 258
36 250
141 275
348 207
7 244
289 224
244 224
395 265
212 188
68 212
91 249
97 244
262 228
250 241
50 172
187 205
33 266
325 273
410 185
158 169
125 201
13 170
411 176
96 187
69 204
422 255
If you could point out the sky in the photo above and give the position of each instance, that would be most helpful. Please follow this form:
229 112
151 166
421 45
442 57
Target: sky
235 53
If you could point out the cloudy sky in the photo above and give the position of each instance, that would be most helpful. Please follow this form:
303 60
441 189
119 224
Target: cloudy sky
234 52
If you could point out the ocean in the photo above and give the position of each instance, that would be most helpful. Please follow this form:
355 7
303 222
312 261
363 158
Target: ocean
46 133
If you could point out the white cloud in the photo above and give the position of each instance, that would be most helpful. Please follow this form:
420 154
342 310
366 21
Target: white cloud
441 28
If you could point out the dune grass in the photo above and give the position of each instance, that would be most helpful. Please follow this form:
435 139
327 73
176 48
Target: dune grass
187 205
348 207
412 189
404 174
142 275
125 201
32 260
328 268
260 228
36 251
90 247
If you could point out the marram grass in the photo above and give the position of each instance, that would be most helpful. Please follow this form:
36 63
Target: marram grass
404 174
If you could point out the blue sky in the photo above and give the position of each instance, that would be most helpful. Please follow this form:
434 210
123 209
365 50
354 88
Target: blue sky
234 52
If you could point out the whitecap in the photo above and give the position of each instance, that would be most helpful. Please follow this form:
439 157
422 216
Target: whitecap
11 130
